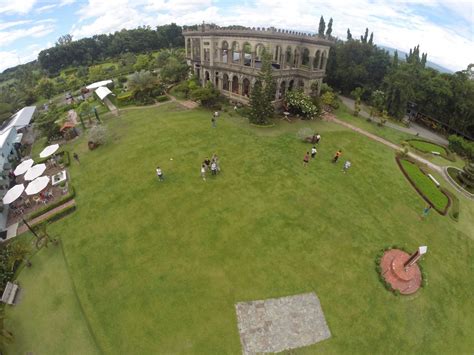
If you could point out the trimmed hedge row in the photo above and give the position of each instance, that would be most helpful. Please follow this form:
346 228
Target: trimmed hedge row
454 210
461 146
62 201
56 216
414 176
64 154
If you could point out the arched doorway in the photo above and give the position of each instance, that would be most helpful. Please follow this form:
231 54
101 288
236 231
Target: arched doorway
206 77
225 82
235 53
247 54
235 84
259 49
246 87
300 84
305 57
217 81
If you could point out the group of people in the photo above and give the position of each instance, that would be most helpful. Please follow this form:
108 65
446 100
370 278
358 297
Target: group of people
210 164
315 139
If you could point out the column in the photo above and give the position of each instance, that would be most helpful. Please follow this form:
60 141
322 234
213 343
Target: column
311 62
192 49
252 60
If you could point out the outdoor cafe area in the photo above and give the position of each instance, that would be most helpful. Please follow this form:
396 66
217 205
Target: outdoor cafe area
34 186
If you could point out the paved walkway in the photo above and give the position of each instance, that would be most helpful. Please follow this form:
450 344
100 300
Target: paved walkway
111 106
22 229
414 128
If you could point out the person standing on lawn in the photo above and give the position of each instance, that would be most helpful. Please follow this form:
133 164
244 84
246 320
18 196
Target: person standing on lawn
76 157
426 211
318 138
203 172
306 159
213 122
213 168
313 152
346 166
159 173
337 156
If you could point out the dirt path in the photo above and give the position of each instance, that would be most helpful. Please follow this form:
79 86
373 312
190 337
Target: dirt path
188 104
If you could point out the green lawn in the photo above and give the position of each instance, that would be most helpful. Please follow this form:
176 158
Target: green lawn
425 185
159 266
427 147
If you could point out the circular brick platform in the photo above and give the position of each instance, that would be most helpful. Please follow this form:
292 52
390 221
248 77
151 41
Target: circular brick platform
405 281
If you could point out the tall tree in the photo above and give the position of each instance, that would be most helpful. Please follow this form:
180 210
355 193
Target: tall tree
322 26
363 38
263 93
349 35
45 88
329 30
371 39
64 40
395 59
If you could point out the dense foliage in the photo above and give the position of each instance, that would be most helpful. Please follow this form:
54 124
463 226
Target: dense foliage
448 98
89 50
301 104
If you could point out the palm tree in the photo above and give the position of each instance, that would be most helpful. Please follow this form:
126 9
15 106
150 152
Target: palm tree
142 83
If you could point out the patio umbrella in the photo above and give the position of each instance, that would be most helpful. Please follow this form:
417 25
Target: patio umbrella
49 150
35 171
23 167
37 185
13 194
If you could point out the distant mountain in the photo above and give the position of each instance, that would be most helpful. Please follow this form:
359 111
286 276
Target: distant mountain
401 56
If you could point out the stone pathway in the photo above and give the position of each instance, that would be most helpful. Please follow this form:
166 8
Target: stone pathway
279 324
414 128
22 229
331 117
111 106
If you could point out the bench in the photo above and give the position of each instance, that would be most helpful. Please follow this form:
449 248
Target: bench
434 180
435 153
9 293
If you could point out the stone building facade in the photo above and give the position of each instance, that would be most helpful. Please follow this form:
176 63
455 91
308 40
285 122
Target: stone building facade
231 58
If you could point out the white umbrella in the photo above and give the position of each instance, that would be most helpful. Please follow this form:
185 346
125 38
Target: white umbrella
23 167
13 193
49 150
37 185
35 171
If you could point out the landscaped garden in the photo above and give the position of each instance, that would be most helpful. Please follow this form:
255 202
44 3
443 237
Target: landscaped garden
159 266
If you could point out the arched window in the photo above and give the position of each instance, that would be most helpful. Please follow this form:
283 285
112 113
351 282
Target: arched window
225 82
290 85
188 48
247 54
206 77
288 56
246 87
225 51
282 89
323 61
305 58
259 50
296 58
316 59
235 52
235 84
277 55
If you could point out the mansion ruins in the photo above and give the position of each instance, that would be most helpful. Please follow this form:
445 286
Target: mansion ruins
231 58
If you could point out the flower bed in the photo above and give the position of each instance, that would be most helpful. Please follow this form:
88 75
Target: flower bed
437 198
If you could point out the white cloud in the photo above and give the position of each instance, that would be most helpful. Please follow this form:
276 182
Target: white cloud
5 25
45 8
16 7
37 31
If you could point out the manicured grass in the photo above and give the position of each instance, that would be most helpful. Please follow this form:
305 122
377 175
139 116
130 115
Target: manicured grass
385 132
427 147
38 146
426 186
159 266
47 309
453 172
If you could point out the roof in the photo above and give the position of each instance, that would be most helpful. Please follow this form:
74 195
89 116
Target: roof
102 92
5 135
98 84
21 119
67 125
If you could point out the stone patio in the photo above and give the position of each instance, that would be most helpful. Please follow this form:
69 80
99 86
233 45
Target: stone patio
280 324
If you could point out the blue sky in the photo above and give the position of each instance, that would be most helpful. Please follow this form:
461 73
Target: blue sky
444 29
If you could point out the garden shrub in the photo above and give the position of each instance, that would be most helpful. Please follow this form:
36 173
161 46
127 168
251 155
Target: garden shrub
454 210
301 104
461 146
64 158
162 98
97 135
125 97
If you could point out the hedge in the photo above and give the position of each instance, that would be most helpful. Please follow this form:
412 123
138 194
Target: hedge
162 98
47 208
429 147
424 186
461 146
64 154
58 215
454 210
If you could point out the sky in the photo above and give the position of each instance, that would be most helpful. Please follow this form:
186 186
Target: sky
443 29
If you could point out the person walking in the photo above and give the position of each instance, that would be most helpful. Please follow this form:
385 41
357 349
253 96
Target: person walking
216 160
426 211
213 168
318 138
213 122
313 152
346 166
203 172
76 157
159 173
337 156
306 159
